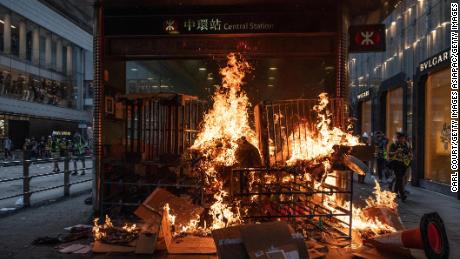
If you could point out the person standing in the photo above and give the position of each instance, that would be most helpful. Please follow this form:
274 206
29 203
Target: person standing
56 152
365 140
7 145
400 159
79 153
380 144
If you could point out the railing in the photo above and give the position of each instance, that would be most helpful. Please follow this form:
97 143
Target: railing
27 178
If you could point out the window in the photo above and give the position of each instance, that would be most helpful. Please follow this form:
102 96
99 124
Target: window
437 127
366 117
394 112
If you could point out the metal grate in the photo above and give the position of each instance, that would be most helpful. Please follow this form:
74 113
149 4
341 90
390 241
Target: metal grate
276 125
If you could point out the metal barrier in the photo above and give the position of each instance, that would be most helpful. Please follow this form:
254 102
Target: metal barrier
27 177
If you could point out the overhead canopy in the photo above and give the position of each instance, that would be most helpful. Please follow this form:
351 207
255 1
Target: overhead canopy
362 11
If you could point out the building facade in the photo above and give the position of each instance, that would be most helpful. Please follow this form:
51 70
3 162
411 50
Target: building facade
405 88
45 72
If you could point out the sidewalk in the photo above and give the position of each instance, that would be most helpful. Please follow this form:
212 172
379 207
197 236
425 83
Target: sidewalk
17 231
419 202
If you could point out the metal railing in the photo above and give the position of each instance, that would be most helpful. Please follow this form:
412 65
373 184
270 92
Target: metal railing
26 178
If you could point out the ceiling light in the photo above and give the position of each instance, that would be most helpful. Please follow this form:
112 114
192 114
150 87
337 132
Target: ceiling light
273 68
270 85
202 69
150 78
271 78
164 86
134 69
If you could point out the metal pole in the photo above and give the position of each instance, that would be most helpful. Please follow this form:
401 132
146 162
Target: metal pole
26 183
66 176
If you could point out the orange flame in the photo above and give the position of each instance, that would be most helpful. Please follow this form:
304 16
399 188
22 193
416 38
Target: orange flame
224 124
312 145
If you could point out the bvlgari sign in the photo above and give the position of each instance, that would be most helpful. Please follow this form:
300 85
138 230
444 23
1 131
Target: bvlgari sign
434 61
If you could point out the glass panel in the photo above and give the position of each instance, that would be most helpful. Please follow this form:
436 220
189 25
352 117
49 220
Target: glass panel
366 117
437 127
394 112
270 78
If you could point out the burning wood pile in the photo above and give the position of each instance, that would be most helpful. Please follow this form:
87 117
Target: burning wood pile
311 189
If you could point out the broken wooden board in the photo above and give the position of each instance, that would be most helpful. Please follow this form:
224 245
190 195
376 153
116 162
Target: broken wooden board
186 244
153 207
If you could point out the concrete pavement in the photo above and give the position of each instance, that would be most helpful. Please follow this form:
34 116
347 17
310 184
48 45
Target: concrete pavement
15 187
18 230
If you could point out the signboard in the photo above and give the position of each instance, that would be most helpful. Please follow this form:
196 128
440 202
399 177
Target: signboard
363 95
434 61
218 24
367 38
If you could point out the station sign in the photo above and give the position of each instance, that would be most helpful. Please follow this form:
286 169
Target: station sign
367 38
217 24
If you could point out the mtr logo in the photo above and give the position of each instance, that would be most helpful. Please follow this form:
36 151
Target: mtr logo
367 38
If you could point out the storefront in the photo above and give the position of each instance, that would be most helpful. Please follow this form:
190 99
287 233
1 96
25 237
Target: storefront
18 128
432 123
364 113
393 106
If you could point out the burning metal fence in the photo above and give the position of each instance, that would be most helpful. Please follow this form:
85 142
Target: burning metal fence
277 125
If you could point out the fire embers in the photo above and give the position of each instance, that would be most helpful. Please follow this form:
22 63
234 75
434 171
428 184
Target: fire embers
108 233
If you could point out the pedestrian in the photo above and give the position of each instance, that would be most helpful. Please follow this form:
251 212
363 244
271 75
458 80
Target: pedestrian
27 149
365 140
48 145
400 158
78 153
380 144
55 151
7 145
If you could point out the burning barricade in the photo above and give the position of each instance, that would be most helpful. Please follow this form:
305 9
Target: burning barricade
293 169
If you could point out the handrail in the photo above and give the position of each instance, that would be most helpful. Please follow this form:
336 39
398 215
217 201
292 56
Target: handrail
26 178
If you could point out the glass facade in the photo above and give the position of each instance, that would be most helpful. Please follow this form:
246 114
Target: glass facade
25 41
366 117
394 112
437 127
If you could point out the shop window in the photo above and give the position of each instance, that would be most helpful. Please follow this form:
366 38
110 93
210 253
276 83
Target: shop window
394 112
366 117
437 127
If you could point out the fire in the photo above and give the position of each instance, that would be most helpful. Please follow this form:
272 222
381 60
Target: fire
226 123
228 120
102 232
309 144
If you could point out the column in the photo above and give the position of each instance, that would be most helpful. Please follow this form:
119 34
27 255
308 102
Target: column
36 46
69 60
7 34
22 40
48 50
59 55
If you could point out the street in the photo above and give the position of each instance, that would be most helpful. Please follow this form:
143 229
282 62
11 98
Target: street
39 183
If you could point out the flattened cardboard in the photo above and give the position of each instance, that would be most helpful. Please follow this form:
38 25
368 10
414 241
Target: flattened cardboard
154 204
187 244
260 239
229 243
100 247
